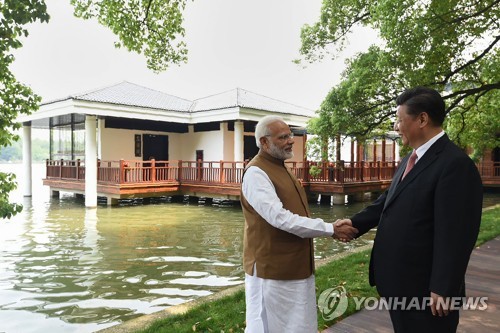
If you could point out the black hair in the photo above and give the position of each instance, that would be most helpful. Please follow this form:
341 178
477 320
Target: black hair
423 99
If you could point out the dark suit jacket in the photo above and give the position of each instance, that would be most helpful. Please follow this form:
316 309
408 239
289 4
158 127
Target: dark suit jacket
427 225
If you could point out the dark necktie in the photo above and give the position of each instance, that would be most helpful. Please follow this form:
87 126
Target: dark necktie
410 164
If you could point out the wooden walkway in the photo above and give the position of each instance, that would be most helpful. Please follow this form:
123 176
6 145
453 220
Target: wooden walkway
126 179
482 279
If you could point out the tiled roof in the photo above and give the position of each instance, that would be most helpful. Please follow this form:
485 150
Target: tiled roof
126 93
247 99
130 94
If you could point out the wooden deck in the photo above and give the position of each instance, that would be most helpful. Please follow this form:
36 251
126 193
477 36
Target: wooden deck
221 179
490 174
482 279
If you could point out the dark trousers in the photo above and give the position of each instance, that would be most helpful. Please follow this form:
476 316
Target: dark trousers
423 321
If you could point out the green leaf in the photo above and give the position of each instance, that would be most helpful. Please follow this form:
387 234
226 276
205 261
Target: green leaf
451 46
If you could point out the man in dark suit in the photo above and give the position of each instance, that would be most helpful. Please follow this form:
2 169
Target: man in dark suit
427 221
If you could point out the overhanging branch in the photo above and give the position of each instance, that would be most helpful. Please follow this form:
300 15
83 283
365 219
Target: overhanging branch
470 62
461 94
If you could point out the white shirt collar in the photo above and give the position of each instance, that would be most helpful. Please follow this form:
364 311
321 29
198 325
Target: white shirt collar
423 148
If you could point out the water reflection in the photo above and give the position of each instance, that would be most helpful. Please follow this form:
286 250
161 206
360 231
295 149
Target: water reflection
92 268
64 268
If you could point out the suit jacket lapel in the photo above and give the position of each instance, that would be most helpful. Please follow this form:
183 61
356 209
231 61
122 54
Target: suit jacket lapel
429 157
395 179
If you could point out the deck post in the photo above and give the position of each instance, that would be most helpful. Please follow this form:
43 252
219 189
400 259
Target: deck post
362 170
78 169
27 158
238 141
153 170
61 162
90 162
307 176
394 151
111 201
221 174
338 199
122 172
341 174
179 171
374 150
383 149
100 134
198 170
352 149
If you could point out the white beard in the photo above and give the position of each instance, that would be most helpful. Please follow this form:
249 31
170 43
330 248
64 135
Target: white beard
280 154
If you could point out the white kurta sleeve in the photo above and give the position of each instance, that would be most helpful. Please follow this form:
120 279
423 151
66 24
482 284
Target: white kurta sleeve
260 193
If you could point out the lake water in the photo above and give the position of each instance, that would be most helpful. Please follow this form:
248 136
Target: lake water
65 268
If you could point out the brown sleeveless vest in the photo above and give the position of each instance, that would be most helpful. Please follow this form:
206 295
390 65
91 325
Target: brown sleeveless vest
277 254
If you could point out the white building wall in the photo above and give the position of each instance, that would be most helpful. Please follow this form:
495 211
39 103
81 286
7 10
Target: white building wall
118 144
298 149
345 149
228 144
210 142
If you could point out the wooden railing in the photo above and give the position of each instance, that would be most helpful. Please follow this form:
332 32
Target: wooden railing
230 172
490 173
65 169
225 172
344 172
136 172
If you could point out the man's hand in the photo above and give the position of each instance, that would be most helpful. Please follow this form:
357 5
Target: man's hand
439 305
343 230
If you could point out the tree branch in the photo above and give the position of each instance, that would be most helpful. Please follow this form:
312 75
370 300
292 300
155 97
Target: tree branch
357 19
470 62
466 17
468 92
146 15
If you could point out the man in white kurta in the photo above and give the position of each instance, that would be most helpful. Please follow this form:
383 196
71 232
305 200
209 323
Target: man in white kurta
288 304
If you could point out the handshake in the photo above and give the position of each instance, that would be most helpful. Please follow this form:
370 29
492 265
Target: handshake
344 231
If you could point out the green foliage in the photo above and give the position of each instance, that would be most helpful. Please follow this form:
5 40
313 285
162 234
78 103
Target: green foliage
150 27
7 210
476 124
314 171
451 46
350 272
223 315
367 81
15 98
490 225
14 153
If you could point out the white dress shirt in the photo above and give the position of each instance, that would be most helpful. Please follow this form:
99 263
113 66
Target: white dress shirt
260 193
277 306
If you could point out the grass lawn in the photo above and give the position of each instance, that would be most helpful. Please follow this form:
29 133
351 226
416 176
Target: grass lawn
351 272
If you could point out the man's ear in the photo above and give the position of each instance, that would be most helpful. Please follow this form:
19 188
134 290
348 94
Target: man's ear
263 141
423 119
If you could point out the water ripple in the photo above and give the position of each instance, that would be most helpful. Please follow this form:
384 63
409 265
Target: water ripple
64 268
